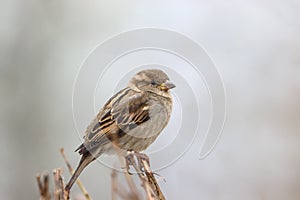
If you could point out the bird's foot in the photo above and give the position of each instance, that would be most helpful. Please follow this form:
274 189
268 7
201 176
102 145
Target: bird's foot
136 159
142 157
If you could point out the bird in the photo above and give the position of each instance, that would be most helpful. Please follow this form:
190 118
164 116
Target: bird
132 119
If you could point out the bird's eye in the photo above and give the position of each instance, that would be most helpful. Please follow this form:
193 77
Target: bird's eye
153 83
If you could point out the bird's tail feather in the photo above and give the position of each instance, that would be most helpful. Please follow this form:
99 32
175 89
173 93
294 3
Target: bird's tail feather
85 160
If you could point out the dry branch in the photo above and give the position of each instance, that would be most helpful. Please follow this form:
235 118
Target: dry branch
152 181
43 186
59 190
140 163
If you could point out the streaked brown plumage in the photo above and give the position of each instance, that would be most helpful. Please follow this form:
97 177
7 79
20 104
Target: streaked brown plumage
132 119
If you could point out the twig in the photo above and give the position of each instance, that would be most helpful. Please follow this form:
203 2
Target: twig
114 187
146 176
43 186
138 169
81 186
140 162
59 190
119 190
152 180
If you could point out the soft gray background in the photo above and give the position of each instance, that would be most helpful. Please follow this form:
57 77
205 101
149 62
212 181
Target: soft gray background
255 45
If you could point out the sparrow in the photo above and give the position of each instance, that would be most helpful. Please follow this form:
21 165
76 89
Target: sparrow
131 120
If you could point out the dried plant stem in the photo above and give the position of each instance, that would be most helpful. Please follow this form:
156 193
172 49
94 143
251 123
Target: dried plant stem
118 189
152 180
71 170
59 190
114 185
140 163
145 184
43 186
142 167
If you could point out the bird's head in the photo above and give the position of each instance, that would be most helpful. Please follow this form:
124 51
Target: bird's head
152 80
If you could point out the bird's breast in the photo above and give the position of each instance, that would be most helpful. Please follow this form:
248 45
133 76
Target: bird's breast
143 135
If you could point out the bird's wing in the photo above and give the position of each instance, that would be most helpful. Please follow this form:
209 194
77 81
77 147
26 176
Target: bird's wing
123 112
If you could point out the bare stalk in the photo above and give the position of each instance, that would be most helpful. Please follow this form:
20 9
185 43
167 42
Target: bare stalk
43 184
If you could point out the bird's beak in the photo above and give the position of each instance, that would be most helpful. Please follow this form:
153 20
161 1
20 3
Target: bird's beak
167 86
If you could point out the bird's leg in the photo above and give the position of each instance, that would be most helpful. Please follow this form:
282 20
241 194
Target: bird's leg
128 161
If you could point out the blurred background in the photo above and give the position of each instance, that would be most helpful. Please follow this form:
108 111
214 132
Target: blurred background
254 44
